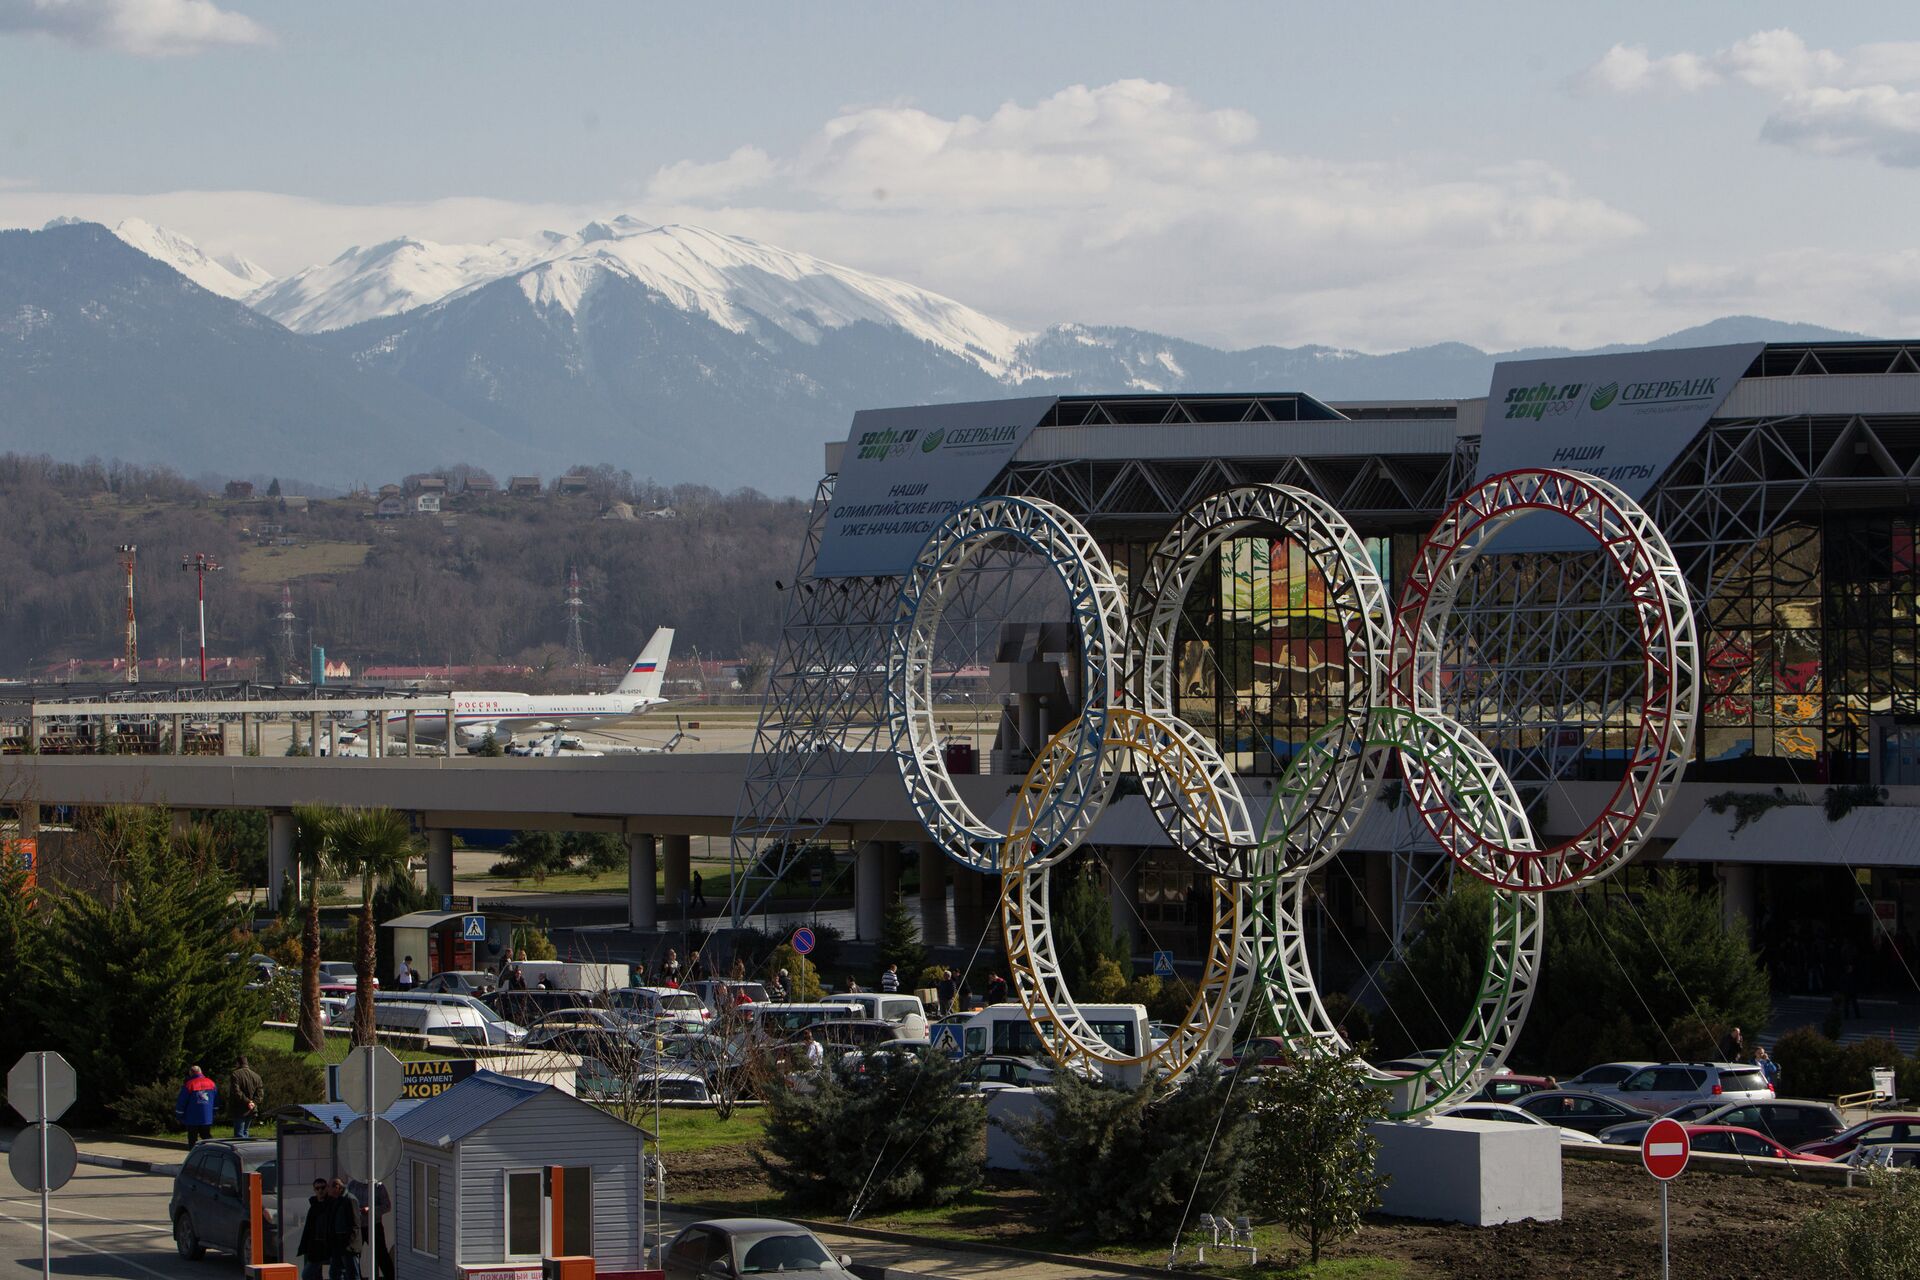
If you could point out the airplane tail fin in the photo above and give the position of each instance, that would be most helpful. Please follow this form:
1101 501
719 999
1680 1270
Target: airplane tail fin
650 668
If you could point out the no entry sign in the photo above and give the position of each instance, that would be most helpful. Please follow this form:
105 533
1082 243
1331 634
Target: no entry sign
1665 1149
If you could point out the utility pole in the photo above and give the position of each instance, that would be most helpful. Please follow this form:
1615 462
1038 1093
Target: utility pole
131 552
286 620
576 647
201 565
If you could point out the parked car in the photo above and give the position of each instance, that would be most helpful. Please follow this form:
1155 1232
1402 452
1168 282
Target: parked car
724 993
1726 1139
342 971
1000 1070
852 1033
595 1032
1258 1054
1885 1155
209 1202
1605 1077
1896 1128
1509 1087
1791 1122
1577 1109
459 982
1507 1113
664 1005
749 1247
904 1011
1629 1133
1658 1089
460 1018
525 1007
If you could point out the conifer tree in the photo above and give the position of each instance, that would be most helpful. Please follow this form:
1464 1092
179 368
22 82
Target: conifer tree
900 942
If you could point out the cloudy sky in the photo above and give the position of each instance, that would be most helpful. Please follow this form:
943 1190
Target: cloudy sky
1371 175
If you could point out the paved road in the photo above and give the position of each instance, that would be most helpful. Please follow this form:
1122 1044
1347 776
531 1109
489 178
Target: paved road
112 1224
105 1223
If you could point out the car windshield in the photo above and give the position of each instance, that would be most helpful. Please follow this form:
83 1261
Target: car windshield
683 1000
269 1171
796 1252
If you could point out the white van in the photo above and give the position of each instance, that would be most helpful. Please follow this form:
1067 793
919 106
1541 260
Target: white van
906 1013
668 1005
780 1021
451 1017
1006 1029
570 975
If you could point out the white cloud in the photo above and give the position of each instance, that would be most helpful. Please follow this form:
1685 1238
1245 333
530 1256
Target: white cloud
1826 102
746 168
147 28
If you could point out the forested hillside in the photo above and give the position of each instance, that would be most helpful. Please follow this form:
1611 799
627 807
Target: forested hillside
482 582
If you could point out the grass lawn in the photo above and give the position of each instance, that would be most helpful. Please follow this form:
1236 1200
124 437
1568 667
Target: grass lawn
278 564
687 1129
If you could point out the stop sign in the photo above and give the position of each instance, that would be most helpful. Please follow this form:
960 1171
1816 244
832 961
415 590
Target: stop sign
1665 1149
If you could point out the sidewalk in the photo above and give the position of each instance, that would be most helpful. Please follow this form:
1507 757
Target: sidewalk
135 1155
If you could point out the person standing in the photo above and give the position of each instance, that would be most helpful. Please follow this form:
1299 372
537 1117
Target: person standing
996 990
403 978
699 892
890 979
693 968
1768 1067
816 1052
779 989
383 1202
670 968
198 1103
946 990
1734 1048
246 1093
343 1233
316 1244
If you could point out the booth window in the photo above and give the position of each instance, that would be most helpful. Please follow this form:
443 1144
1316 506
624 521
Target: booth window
523 1214
577 1210
426 1208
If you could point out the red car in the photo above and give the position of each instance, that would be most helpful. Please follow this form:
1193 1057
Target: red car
1258 1053
1731 1140
1902 1128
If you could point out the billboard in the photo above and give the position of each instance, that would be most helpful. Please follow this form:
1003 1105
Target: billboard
905 469
1622 417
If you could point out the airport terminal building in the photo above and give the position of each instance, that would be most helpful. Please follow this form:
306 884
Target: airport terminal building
1785 476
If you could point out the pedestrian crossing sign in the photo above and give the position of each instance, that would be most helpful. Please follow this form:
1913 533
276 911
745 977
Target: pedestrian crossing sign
473 928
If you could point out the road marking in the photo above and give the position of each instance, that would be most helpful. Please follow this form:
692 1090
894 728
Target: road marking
105 1253
121 1222
1664 1149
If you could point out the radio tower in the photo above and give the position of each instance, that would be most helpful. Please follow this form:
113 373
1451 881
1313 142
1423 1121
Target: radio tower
130 551
286 620
576 647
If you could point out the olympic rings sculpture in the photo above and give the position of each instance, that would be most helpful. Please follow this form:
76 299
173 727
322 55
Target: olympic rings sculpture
1390 666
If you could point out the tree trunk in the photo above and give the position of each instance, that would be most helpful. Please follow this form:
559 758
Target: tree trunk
363 989
310 1038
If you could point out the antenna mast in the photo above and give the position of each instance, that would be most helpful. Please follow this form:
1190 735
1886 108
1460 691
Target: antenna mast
286 619
130 552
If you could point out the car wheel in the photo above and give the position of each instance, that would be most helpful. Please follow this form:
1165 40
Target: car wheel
243 1249
185 1240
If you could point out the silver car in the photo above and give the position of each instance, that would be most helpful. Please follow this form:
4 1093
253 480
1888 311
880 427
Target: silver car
727 1248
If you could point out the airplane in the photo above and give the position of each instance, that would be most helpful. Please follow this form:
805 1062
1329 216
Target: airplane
502 714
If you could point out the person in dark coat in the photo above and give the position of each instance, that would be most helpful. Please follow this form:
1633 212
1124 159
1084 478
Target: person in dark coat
198 1103
316 1244
246 1094
343 1233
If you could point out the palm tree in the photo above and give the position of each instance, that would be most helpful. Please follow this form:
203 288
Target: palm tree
312 848
374 844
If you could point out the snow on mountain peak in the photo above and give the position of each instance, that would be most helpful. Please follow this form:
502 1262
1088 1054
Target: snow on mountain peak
737 283
229 277
741 284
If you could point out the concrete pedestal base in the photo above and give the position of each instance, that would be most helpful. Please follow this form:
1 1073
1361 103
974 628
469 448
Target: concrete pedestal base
1007 1109
1480 1172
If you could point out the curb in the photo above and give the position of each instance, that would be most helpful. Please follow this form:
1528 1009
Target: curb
952 1246
112 1162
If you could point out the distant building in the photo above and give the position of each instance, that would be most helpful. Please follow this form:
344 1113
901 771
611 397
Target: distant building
618 511
480 483
426 504
294 503
574 482
239 490
663 513
426 484
523 486
389 506
391 491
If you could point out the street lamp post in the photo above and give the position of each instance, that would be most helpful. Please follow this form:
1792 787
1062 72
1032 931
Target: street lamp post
201 565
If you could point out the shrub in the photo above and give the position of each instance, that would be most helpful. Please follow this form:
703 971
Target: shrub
803 976
1871 1237
283 995
1313 1129
288 1078
898 1134
899 942
1119 1163
147 1108
534 941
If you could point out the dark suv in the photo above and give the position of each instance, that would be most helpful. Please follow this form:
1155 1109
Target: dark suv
209 1204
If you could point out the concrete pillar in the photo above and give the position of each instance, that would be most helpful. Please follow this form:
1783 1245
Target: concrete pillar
179 734
439 861
412 738
33 734
934 930
333 738
973 905
280 869
678 851
869 902
889 872
313 734
643 906
1123 892
181 820
1737 896
248 740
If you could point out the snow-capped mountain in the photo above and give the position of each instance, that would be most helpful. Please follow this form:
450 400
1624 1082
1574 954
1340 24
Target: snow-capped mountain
367 283
229 277
741 285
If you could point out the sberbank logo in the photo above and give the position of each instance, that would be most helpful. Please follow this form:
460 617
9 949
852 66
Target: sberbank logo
933 440
1604 396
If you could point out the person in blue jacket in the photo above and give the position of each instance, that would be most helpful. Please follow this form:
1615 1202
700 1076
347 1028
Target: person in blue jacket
195 1107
